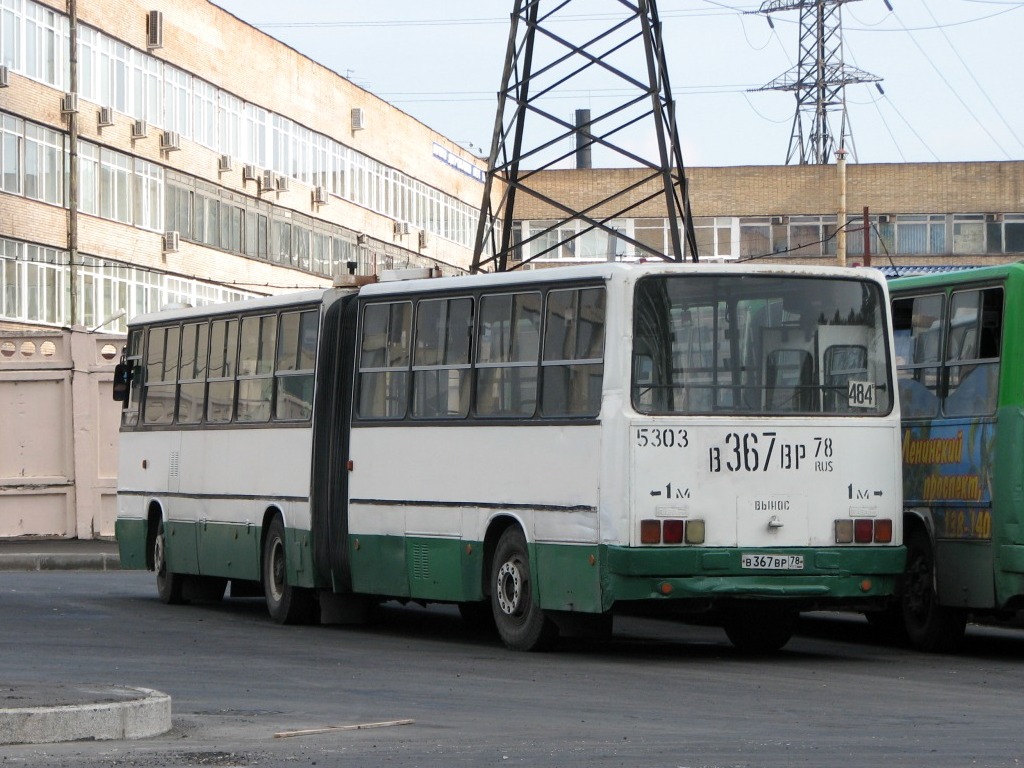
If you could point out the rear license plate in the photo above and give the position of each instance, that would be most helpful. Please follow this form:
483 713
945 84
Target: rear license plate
773 562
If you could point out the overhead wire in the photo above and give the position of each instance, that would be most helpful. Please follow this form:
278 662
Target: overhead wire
981 88
954 91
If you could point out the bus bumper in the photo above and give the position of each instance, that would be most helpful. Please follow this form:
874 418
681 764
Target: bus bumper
830 577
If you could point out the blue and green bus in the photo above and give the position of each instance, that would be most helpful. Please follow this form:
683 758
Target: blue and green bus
961 389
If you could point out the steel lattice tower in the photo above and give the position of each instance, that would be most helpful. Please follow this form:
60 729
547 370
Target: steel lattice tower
819 80
555 49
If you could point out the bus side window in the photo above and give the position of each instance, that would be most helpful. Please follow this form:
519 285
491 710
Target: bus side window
384 360
161 374
195 339
133 357
508 350
296 359
972 352
441 368
573 366
220 392
917 330
258 342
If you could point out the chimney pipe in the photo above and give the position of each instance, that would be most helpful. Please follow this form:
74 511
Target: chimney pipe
582 140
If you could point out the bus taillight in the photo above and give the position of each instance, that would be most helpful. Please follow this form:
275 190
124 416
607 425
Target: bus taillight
672 532
864 531
655 531
650 531
883 531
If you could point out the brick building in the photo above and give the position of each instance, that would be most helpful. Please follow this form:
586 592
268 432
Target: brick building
922 214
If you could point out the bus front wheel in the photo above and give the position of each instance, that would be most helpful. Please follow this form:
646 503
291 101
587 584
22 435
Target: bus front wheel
929 625
169 585
521 623
286 604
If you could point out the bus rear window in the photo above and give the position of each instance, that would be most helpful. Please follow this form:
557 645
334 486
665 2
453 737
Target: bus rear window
759 345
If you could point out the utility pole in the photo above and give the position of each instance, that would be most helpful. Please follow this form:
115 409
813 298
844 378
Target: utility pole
551 52
818 80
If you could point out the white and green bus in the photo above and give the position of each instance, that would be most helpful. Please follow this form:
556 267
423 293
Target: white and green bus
542 448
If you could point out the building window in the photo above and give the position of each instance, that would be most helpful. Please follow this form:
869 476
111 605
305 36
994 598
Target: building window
115 186
11 135
149 204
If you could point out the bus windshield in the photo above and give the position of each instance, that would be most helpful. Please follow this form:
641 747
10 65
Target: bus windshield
756 344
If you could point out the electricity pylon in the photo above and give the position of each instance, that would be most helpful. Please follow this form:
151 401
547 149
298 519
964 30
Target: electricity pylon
557 49
819 81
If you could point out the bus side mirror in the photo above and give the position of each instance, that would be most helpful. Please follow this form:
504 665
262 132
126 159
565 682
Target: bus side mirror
122 382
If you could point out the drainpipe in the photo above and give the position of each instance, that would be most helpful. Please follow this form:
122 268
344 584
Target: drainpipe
841 217
73 171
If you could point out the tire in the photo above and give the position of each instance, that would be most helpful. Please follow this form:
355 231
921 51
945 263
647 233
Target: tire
929 626
286 604
757 630
521 623
169 585
887 623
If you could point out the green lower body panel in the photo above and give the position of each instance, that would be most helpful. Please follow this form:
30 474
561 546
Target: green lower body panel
379 566
132 543
226 550
229 551
833 576
570 577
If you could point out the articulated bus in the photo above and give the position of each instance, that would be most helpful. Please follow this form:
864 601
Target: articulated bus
961 389
542 448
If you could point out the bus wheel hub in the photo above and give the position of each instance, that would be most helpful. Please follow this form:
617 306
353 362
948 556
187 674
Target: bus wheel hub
510 584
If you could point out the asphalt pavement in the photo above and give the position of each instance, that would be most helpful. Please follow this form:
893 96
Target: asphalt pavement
32 713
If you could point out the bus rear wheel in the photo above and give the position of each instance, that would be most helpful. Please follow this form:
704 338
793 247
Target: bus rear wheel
929 625
756 629
520 621
169 585
286 604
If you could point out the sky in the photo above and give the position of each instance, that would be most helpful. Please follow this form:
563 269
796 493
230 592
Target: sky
949 70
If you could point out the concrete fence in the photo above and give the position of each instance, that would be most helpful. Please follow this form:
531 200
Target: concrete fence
58 433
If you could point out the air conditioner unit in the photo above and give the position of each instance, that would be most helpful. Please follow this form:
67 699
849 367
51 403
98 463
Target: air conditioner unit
170 242
319 195
69 103
224 163
267 182
993 217
358 119
423 240
401 228
281 183
883 218
139 129
170 140
250 173
3 76
154 30
105 117
778 221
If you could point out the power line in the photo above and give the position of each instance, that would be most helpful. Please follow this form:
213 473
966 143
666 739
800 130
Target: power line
981 88
955 92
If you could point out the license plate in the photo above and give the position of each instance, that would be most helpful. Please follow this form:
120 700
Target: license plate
773 562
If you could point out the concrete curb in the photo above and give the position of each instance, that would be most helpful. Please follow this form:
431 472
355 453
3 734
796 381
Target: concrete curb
69 561
114 712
